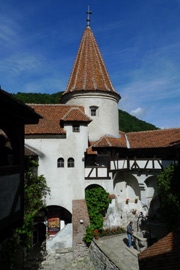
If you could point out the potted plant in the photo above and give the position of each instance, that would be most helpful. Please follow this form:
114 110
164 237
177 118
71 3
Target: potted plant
133 211
136 200
111 196
127 201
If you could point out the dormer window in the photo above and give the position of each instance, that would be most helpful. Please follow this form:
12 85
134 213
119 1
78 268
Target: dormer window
76 128
94 110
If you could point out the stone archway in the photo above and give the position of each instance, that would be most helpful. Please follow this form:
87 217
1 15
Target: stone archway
93 186
126 187
57 218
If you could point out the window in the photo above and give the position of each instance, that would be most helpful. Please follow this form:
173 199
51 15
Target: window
94 110
70 162
76 128
60 163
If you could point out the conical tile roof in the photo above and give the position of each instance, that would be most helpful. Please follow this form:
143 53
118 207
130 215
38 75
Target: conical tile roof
89 71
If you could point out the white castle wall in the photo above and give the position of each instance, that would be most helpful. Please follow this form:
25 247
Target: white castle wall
66 184
106 120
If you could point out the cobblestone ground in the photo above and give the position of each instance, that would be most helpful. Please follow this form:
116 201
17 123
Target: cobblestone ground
67 263
39 260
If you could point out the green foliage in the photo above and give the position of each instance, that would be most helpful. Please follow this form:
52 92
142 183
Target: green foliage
90 234
97 204
127 122
35 189
169 193
38 98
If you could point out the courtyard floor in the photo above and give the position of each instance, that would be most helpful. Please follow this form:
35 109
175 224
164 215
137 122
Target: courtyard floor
114 247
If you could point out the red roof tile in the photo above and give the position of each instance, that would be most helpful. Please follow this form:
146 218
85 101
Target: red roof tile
163 255
154 138
52 114
89 71
107 141
76 114
142 139
89 151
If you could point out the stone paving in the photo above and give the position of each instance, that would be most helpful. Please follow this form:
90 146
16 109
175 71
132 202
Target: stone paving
59 261
114 247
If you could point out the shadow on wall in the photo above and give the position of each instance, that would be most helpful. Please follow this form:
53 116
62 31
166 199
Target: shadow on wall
126 186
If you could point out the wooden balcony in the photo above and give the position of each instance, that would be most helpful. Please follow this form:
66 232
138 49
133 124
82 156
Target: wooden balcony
139 165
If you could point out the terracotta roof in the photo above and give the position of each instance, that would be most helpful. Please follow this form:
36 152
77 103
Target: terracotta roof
142 139
107 141
89 71
154 138
28 152
76 114
163 255
52 114
89 151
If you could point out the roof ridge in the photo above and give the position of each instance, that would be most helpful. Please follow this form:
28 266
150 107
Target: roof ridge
100 139
54 105
156 130
107 140
96 142
72 109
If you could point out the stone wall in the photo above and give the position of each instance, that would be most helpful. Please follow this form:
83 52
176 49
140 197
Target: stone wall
80 222
100 260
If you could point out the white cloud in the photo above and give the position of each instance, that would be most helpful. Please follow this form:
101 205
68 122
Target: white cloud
139 112
9 32
14 65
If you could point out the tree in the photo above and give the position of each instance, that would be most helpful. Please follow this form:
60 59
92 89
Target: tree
169 194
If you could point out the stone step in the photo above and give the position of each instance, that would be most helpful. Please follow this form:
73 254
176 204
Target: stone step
63 250
133 251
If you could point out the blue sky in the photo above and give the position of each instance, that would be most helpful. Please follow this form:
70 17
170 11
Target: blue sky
139 41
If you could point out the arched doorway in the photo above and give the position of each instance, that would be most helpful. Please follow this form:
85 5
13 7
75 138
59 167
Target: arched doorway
57 218
93 186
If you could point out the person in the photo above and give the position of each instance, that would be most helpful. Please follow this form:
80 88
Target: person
129 233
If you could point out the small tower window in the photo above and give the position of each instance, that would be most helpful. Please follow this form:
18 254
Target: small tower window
76 128
60 163
93 110
70 162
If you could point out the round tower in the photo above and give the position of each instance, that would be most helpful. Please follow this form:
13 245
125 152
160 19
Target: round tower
90 86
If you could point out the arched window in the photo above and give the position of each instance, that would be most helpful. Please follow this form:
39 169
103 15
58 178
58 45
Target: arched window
60 163
70 162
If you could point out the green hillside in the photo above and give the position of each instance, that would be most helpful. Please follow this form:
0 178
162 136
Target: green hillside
38 98
127 122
